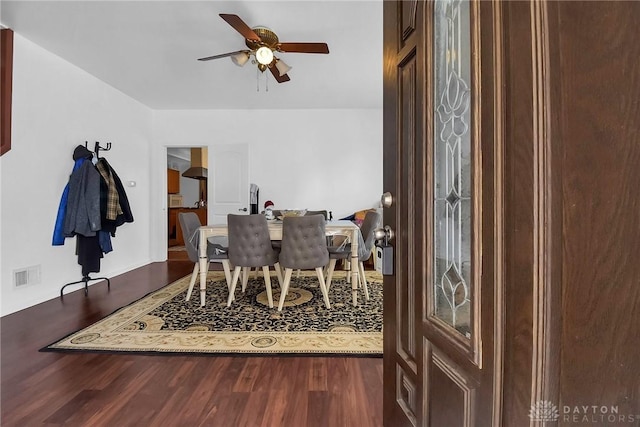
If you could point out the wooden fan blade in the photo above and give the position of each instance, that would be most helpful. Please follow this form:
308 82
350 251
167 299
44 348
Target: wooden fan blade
238 24
222 55
279 78
303 47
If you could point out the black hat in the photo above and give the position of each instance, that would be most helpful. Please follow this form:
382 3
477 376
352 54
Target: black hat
81 152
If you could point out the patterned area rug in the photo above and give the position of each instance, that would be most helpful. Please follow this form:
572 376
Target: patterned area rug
163 322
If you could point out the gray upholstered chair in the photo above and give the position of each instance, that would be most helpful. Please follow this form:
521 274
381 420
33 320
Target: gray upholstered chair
249 247
277 244
325 214
304 246
366 240
277 213
217 252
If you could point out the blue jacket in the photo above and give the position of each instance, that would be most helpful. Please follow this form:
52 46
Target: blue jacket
58 229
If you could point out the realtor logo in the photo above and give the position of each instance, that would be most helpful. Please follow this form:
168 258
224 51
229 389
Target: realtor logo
543 410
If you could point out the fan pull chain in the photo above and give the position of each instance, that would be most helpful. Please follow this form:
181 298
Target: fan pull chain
257 80
266 81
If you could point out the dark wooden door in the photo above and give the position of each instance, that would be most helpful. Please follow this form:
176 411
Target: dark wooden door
439 166
544 283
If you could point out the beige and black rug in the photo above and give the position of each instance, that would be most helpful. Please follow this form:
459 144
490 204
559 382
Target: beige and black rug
163 322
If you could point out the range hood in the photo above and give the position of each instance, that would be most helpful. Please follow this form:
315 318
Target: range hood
198 169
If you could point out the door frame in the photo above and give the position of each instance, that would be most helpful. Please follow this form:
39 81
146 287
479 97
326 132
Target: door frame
167 147
158 239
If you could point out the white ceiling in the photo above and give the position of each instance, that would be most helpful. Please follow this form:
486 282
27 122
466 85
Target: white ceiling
149 49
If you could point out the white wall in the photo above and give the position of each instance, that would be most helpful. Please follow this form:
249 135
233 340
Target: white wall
314 159
57 106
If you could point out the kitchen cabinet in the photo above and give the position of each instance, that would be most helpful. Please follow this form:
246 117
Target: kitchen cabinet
173 181
175 232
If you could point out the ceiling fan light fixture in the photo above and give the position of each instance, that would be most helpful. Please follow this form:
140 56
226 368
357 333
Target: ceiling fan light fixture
264 55
262 43
240 58
282 67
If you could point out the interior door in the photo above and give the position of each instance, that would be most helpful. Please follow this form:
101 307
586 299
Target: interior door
228 181
439 166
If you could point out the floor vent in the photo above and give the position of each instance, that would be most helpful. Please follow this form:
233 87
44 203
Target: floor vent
26 276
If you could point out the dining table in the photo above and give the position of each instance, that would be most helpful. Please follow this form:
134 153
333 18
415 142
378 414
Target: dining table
332 228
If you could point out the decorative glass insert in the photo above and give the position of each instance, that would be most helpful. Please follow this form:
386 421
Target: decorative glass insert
452 168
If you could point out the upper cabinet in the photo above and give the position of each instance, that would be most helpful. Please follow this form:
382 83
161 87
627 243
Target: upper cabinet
173 181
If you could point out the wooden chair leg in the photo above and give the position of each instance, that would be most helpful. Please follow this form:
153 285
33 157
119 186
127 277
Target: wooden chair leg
226 265
194 276
332 266
285 287
245 277
323 288
363 280
278 269
234 282
267 284
203 290
347 264
227 272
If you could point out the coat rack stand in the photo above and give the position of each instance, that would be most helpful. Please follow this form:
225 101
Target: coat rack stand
86 279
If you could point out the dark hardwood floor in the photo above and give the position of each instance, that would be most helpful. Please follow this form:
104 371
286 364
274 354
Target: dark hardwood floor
82 389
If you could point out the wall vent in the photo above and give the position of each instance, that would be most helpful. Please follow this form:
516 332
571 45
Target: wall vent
26 276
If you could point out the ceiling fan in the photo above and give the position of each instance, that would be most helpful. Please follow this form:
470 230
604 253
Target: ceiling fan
263 43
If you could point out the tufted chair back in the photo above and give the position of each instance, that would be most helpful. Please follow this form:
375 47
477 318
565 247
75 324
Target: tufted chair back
249 242
372 220
325 214
189 222
304 243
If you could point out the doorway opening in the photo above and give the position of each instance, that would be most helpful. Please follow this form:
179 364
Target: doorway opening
187 179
